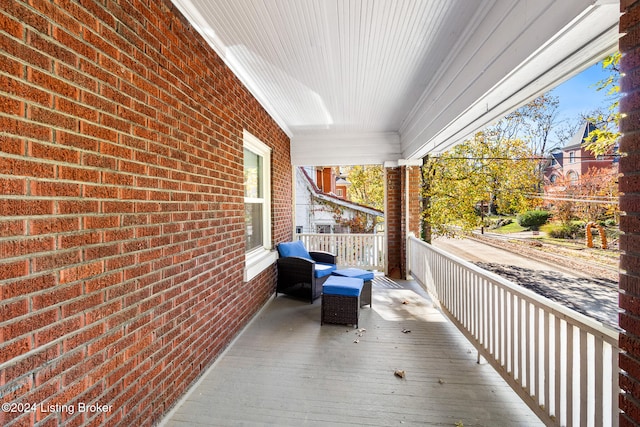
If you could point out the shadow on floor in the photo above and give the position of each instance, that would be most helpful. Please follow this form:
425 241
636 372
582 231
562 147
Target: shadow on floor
286 369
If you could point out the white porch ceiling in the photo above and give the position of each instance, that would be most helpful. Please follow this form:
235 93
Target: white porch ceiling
369 81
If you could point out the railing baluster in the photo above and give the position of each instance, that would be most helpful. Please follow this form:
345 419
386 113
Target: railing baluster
546 356
570 369
558 374
613 385
584 376
353 250
551 352
512 335
528 342
598 381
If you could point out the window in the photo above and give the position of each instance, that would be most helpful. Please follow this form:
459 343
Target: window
572 157
323 229
254 202
553 178
573 177
257 206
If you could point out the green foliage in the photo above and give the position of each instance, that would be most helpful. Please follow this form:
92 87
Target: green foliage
566 231
603 139
489 170
533 219
367 185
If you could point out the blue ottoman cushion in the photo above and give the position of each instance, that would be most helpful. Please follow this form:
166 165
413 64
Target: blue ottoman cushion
345 286
355 273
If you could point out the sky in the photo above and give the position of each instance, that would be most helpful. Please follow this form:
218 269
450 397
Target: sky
578 94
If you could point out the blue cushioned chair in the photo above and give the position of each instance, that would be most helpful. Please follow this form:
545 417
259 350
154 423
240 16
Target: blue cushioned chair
301 273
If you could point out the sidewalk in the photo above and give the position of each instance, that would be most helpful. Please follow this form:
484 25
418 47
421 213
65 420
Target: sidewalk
576 287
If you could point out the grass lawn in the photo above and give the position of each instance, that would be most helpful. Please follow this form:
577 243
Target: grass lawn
514 227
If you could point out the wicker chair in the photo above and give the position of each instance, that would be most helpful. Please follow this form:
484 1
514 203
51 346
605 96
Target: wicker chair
301 273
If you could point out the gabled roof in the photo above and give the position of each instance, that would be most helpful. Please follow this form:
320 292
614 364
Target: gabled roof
578 138
335 199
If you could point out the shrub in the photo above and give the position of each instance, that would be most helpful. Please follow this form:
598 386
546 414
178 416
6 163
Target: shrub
566 231
533 219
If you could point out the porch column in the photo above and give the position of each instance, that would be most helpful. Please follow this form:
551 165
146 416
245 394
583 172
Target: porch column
629 185
402 211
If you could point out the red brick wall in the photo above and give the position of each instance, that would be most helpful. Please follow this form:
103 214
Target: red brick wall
414 184
121 208
630 220
402 215
393 221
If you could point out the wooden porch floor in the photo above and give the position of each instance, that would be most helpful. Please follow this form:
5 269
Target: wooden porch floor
286 369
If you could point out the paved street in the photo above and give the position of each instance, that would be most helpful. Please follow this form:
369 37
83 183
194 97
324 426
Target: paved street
596 298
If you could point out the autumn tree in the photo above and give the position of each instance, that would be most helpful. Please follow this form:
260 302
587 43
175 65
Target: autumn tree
603 139
367 185
488 169
591 198
366 188
539 123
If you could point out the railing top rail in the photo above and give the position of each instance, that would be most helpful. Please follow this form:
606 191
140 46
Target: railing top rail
584 322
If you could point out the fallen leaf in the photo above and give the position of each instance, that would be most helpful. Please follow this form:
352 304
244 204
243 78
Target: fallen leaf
356 341
441 381
399 373
405 302
406 331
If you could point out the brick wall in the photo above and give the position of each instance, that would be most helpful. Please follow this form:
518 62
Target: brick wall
402 214
412 198
393 220
121 208
630 220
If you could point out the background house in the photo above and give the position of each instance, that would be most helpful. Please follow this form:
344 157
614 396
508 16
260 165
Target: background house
572 161
322 205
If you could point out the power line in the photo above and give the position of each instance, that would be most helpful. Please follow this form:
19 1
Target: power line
595 199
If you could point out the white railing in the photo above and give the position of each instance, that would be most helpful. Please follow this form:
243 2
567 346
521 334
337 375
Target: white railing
365 251
564 365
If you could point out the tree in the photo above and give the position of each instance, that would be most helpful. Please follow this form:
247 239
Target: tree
367 185
606 135
540 120
591 198
488 169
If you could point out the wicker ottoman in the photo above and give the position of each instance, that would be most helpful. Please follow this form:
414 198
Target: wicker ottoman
367 276
341 300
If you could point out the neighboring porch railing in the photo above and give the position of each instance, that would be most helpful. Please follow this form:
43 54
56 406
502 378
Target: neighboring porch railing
564 365
365 251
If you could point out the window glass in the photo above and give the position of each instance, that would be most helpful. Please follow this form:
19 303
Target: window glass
252 172
253 200
253 223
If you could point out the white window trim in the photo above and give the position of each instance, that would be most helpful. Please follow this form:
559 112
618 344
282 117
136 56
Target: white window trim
258 259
